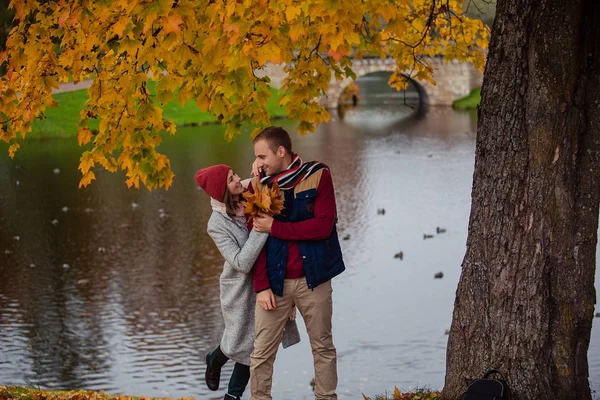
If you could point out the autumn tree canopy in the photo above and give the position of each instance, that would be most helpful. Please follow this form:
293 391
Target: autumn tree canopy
208 51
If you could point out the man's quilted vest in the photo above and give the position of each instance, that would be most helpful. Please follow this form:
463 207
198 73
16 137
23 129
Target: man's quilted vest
322 259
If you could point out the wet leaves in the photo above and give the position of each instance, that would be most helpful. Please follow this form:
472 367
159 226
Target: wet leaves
20 393
418 394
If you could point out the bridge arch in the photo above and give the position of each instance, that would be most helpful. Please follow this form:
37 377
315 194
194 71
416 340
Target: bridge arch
422 106
453 81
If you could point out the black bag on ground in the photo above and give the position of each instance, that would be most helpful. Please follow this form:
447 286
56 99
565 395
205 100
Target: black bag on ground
487 388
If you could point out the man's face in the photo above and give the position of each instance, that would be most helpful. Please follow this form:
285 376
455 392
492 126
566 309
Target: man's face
266 159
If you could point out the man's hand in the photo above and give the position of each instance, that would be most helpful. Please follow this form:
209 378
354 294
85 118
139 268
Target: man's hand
255 168
266 300
263 223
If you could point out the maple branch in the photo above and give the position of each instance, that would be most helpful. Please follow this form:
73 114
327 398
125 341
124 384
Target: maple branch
476 6
161 63
193 50
316 47
426 31
99 82
121 116
366 25
8 121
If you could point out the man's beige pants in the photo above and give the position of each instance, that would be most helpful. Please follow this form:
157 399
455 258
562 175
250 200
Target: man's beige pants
315 306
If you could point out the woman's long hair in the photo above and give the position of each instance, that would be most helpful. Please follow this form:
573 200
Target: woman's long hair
231 204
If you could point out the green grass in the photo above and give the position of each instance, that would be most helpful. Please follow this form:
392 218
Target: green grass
469 102
61 121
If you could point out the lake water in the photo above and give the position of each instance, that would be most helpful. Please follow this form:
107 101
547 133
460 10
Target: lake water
113 289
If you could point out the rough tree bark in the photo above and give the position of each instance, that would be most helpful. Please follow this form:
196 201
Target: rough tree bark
525 300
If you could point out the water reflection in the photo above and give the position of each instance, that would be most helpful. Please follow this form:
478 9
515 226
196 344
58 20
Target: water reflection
382 107
119 290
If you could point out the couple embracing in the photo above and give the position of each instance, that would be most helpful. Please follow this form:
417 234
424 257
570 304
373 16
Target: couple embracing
273 265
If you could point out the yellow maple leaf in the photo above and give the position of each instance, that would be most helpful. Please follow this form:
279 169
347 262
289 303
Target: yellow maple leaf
296 30
12 149
83 136
268 52
86 162
87 179
119 27
292 12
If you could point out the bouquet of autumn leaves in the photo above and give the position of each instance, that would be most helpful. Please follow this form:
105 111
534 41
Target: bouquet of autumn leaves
263 201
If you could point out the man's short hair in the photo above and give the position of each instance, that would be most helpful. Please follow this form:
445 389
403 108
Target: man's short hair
275 136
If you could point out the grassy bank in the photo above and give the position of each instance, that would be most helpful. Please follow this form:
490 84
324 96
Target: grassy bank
469 102
61 121
418 394
22 393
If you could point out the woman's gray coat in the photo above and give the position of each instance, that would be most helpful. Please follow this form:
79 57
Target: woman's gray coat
238 299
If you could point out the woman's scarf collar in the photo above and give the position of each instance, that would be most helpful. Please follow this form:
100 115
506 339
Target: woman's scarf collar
220 207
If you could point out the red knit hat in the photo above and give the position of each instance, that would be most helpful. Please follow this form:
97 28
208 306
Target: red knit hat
213 180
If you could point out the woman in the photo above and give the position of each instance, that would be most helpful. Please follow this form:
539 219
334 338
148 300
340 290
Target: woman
228 228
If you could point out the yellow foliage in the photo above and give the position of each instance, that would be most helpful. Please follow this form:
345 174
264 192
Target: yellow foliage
12 149
263 201
209 51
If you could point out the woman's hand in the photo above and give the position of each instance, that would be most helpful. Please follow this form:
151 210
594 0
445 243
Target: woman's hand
263 223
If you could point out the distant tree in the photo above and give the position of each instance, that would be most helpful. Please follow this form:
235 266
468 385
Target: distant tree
208 51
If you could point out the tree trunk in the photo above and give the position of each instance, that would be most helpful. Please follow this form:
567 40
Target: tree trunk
525 300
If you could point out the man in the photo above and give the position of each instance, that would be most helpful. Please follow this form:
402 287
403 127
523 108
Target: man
296 266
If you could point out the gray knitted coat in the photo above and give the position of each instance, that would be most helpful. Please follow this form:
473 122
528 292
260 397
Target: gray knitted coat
238 299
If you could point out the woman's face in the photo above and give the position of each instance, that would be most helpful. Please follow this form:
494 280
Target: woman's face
233 183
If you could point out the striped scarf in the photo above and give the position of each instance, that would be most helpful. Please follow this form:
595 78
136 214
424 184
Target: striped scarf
295 173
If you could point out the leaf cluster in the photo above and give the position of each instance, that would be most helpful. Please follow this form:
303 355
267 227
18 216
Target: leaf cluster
264 200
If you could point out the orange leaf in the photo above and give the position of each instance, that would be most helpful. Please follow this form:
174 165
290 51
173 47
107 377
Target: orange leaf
173 22
338 54
62 18
397 394
263 201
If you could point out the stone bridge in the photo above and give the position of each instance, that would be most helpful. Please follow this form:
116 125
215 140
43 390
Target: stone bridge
453 80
